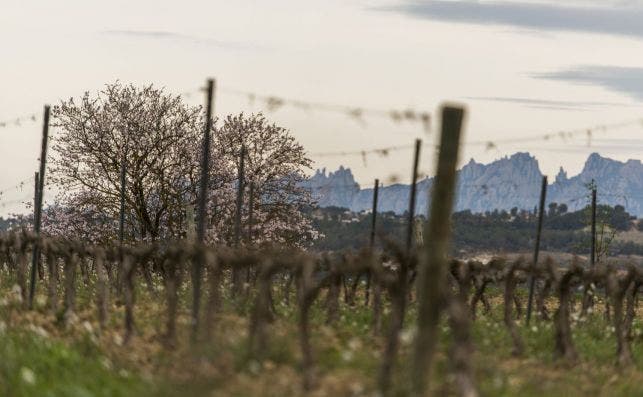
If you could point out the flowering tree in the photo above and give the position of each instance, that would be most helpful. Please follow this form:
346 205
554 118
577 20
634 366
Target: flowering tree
160 138
274 165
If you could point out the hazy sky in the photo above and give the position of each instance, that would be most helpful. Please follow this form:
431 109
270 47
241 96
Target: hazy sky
522 68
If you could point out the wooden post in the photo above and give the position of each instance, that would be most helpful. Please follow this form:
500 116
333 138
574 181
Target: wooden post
121 219
398 300
197 266
411 224
236 275
39 202
433 268
240 185
593 244
371 242
251 199
532 280
588 299
36 186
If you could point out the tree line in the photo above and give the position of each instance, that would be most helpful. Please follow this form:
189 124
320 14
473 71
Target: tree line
495 231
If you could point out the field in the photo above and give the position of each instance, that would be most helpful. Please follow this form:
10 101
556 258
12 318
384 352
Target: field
44 355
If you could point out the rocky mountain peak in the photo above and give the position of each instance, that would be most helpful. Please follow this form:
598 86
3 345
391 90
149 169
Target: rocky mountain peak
511 181
562 176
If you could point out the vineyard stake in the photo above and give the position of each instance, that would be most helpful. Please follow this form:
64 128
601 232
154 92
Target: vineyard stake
433 266
39 198
593 244
398 300
121 218
371 242
197 267
532 278
237 219
251 198
35 202
409 231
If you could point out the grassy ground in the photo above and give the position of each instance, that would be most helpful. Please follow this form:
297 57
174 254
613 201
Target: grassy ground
40 356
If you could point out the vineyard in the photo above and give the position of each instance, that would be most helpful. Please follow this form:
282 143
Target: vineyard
135 302
237 305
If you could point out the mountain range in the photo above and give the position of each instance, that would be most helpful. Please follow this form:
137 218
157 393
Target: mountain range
512 181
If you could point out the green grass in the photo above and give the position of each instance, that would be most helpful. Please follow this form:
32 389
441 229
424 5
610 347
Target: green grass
347 356
34 365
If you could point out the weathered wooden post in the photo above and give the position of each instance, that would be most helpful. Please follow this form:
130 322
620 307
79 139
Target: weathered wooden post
433 265
371 241
593 244
411 220
236 273
532 278
197 265
251 199
121 218
39 201
588 298
400 296
251 203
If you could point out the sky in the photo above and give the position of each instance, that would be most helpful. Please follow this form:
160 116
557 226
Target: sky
522 69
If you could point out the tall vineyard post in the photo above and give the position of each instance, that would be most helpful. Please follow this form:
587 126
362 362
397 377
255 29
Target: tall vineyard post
39 200
593 242
35 202
532 278
411 220
400 297
121 217
236 273
35 192
251 199
197 265
589 292
433 266
371 242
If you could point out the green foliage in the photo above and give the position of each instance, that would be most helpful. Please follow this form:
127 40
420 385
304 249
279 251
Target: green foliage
491 231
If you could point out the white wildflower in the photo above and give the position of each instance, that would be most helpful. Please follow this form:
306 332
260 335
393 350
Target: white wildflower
356 388
27 375
88 327
38 330
407 336
15 295
354 344
40 300
106 363
254 367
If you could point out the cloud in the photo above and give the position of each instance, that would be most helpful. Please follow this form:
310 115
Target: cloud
625 80
621 19
167 35
547 103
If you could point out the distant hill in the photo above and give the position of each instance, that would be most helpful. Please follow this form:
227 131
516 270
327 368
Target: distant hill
503 184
